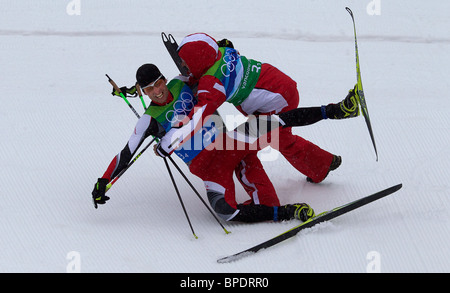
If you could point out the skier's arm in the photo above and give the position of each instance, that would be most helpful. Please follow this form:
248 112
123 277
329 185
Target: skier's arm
145 127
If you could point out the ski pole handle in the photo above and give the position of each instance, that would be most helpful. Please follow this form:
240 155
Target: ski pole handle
116 88
113 84
122 95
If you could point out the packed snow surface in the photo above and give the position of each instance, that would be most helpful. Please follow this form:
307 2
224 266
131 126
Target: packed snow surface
60 127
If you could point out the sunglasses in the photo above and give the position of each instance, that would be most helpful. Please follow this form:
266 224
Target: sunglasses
158 82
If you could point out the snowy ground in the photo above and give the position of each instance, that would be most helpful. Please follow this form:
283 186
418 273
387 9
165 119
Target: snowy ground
60 127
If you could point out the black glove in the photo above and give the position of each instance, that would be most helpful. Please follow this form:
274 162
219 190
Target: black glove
98 194
225 43
127 92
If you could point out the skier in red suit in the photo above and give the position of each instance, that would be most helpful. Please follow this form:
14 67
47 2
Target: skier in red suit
254 88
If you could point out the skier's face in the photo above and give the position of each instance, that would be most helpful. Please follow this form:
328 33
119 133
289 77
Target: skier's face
157 91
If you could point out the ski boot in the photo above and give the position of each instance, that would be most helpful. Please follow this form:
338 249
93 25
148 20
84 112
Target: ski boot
299 211
347 108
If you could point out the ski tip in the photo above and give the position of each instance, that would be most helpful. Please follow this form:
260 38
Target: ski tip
224 260
350 12
396 187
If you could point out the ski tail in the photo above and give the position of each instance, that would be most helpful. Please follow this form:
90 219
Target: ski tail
172 46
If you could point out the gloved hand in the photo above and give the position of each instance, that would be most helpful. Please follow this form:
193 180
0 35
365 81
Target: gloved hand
127 92
98 194
225 43
171 140
159 150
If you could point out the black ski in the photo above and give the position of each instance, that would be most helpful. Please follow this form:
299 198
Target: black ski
325 216
361 97
172 46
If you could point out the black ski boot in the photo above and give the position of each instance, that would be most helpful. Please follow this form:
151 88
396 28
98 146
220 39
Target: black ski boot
299 211
347 108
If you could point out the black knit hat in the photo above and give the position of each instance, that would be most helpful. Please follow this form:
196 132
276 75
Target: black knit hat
147 74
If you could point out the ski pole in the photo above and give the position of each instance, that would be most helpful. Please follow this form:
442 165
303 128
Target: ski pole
110 184
138 88
198 194
122 95
179 197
